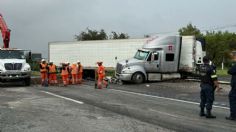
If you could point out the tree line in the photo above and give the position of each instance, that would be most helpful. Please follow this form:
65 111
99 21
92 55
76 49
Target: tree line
219 45
99 35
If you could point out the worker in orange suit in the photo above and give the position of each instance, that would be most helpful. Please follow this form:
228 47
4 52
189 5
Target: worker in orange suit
65 74
74 70
43 72
52 71
69 79
101 76
80 72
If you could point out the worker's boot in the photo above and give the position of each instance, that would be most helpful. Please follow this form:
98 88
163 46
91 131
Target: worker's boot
209 115
202 113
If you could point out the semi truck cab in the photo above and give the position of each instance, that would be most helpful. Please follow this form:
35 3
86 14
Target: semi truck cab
162 58
135 69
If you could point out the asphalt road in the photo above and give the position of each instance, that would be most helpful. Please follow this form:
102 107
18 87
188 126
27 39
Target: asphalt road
160 106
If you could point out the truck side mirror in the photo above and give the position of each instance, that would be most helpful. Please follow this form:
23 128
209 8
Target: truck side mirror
30 56
27 55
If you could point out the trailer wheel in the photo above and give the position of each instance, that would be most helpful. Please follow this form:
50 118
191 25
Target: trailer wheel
138 78
27 81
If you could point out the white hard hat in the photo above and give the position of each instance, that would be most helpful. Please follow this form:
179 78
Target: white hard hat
78 61
43 60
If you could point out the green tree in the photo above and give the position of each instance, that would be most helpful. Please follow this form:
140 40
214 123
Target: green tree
190 30
91 35
115 35
99 35
232 42
219 45
146 36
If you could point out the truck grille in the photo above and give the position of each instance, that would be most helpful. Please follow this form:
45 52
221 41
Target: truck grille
13 66
118 68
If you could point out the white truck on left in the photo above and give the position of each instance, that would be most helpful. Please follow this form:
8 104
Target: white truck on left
13 66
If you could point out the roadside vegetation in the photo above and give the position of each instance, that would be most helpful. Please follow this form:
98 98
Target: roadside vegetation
223 72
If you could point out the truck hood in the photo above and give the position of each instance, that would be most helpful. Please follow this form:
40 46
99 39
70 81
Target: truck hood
3 61
131 61
12 61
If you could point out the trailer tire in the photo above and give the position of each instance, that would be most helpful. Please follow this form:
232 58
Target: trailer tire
138 78
183 76
27 81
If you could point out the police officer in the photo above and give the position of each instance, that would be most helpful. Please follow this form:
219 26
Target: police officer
208 84
232 93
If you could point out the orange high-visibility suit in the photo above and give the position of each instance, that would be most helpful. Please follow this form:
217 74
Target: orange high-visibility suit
52 74
80 73
43 72
101 76
73 73
65 75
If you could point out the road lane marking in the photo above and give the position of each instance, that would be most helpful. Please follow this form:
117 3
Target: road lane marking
171 99
164 113
62 97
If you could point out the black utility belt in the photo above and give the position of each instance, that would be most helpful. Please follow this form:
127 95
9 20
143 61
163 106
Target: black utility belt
207 83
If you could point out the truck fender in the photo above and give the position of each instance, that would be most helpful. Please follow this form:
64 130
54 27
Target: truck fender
135 69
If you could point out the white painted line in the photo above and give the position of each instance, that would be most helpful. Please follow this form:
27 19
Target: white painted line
59 96
221 82
164 113
177 100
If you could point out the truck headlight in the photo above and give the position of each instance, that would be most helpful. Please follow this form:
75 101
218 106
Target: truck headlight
1 68
126 70
26 68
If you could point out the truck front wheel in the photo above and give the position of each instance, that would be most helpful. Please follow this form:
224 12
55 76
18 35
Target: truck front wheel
27 81
138 78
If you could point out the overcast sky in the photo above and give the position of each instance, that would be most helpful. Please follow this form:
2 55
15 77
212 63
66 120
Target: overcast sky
34 23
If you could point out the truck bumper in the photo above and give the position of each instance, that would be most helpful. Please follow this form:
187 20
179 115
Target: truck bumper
14 76
124 77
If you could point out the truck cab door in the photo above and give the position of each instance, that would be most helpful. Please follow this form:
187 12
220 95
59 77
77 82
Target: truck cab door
152 64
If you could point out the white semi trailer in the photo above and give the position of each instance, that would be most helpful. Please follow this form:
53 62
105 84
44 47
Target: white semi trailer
155 58
162 58
89 52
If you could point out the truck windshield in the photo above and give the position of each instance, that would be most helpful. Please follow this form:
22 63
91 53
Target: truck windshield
141 55
12 54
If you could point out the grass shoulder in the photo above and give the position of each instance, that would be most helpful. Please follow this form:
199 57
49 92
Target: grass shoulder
221 72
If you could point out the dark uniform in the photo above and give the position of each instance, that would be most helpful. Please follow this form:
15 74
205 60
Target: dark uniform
208 76
232 93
